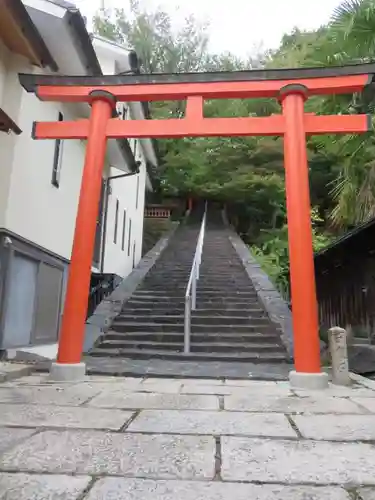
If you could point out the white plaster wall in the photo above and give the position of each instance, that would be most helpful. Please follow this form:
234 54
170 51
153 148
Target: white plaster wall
10 97
117 260
36 209
4 56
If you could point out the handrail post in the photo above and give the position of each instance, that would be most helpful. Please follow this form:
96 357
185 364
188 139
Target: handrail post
187 325
194 290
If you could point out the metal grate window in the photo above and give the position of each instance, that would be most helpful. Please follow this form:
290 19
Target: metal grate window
57 158
137 195
123 230
116 223
130 235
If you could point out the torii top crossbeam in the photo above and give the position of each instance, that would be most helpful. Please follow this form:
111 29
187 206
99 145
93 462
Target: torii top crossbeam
196 87
216 85
291 86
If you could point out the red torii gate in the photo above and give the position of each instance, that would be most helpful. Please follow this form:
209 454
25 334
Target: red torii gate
291 86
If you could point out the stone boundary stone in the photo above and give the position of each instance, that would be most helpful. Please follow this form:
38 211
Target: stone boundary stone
103 316
273 303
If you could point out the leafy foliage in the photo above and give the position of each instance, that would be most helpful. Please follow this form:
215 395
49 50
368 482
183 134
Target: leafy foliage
272 252
247 173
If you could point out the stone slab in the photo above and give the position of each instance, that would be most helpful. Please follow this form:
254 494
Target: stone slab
367 403
43 487
202 381
139 400
290 404
113 380
219 390
55 394
367 494
36 379
337 427
296 462
62 416
257 388
11 437
136 489
212 423
338 391
251 383
168 386
95 452
93 385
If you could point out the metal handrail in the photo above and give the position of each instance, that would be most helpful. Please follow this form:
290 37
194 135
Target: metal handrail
191 289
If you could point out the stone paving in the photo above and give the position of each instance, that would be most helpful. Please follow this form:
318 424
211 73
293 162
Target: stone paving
187 439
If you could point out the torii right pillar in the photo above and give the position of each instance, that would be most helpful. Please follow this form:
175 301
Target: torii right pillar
307 372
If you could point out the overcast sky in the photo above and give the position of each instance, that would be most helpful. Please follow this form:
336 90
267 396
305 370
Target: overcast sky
239 26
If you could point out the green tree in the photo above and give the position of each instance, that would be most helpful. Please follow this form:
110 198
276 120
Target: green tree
247 173
151 35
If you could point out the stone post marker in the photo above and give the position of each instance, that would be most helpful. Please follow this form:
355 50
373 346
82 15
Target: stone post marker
339 355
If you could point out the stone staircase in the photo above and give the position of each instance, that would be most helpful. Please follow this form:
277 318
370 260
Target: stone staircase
229 323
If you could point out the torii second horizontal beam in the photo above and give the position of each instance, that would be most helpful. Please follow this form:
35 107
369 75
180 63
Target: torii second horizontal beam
204 127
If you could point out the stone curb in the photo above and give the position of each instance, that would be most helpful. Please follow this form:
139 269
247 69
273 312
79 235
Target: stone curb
10 371
275 306
370 384
103 316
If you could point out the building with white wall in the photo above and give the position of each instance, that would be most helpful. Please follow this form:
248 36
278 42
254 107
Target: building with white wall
40 180
124 197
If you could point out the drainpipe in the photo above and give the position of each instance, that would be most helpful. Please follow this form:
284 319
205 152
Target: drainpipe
107 189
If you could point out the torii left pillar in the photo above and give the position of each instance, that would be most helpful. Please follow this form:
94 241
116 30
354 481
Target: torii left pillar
69 365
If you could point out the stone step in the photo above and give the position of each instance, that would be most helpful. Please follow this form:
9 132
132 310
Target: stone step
202 303
145 326
172 266
230 323
206 279
169 272
227 286
267 357
195 337
204 273
166 310
199 319
204 294
195 347
180 290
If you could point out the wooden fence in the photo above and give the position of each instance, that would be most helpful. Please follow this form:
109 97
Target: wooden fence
345 280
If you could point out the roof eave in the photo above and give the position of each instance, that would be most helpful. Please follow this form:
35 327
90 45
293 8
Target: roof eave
31 33
79 33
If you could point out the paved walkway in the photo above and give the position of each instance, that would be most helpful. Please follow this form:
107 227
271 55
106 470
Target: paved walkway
164 439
